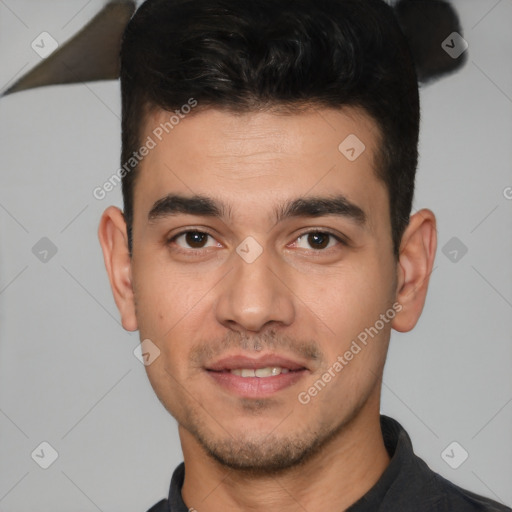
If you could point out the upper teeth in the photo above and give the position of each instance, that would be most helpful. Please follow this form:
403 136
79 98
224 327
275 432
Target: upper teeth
269 371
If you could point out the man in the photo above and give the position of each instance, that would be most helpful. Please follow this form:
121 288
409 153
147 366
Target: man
266 249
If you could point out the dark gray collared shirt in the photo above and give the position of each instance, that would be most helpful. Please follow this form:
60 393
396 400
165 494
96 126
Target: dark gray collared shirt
407 484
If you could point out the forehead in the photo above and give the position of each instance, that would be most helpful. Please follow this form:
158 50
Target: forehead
251 160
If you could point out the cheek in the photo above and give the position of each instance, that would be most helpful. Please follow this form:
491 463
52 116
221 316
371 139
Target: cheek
346 306
163 295
353 294
173 311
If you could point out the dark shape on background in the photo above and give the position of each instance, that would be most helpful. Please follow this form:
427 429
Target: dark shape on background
92 54
427 23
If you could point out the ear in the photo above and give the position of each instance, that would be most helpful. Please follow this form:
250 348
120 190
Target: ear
416 259
114 243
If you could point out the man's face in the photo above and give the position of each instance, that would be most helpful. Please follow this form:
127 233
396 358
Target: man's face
244 290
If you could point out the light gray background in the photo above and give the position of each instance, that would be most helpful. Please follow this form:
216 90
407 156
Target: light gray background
68 375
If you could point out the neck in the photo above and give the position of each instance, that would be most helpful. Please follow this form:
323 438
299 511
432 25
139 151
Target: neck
341 473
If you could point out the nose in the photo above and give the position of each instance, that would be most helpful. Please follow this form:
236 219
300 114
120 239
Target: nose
255 295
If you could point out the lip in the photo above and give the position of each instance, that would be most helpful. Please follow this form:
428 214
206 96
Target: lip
255 387
236 362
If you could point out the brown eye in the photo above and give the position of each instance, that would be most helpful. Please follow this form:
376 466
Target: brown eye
196 239
318 240
192 240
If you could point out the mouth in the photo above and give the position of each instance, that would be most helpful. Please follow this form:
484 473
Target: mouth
268 371
256 378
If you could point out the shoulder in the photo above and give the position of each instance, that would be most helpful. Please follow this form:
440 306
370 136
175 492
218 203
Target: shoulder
452 497
420 489
413 485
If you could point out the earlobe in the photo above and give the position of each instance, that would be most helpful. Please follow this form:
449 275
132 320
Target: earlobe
114 244
417 253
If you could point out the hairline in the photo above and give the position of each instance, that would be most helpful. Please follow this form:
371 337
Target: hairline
149 109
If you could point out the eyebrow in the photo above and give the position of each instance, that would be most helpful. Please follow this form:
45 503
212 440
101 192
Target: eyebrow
339 205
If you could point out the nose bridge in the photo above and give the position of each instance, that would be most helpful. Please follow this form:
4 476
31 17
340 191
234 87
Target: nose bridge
252 294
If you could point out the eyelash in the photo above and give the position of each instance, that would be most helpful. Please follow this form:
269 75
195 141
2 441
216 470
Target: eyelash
200 252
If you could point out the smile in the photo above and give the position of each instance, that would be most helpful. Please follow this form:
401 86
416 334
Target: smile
268 371
256 378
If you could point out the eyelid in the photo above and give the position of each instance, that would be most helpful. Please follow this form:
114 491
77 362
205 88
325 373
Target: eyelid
172 238
337 236
341 239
